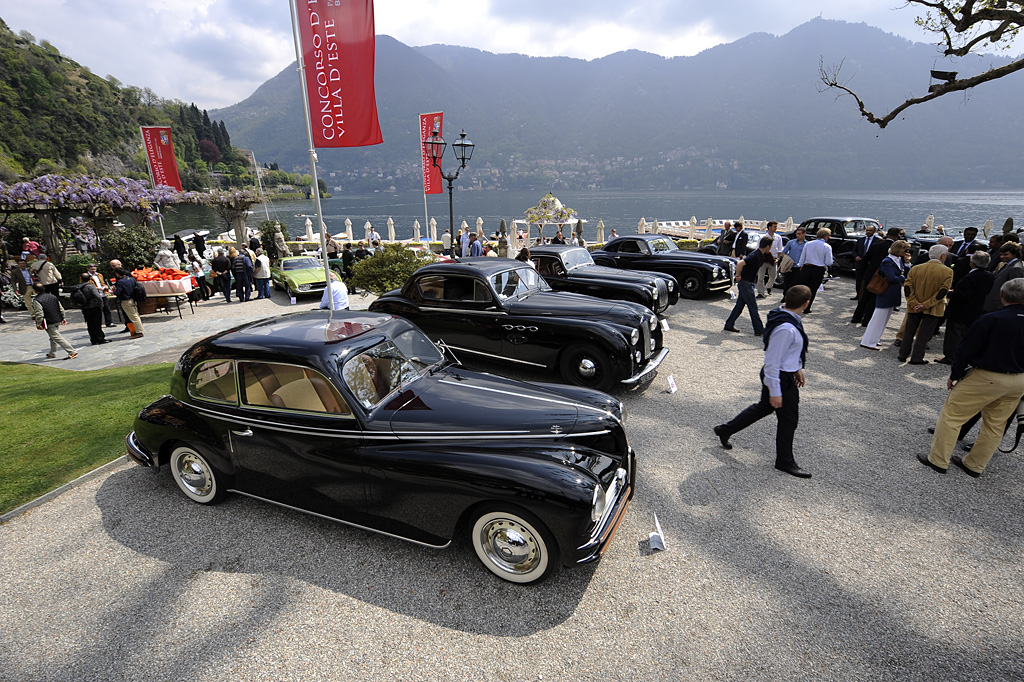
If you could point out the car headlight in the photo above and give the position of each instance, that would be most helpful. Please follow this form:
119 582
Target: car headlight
598 504
624 415
638 356
303 287
652 323
634 338
671 286
654 291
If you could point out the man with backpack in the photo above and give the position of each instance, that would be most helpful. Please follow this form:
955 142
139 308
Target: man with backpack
48 314
89 299
129 293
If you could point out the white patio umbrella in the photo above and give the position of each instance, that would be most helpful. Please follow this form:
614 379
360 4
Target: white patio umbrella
309 230
988 227
416 231
391 229
641 227
348 228
930 222
600 232
480 227
789 224
366 228
656 228
433 229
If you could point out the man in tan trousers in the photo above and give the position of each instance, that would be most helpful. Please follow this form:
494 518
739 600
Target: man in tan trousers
987 376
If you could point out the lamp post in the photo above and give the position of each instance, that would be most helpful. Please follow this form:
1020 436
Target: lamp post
463 152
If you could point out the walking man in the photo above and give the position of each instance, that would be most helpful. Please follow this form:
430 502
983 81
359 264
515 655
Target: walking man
926 287
770 267
746 273
993 349
782 377
48 314
815 261
47 274
124 290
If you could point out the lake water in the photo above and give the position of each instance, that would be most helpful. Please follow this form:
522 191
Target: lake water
623 210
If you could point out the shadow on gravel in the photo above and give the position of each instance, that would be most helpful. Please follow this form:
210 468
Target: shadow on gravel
147 513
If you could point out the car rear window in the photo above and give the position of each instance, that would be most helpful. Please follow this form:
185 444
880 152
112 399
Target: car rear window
214 380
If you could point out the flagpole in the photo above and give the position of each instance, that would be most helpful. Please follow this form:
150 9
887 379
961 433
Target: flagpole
152 181
301 68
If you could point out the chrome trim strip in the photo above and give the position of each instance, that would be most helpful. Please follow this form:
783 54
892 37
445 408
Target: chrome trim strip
529 397
347 523
490 313
651 366
496 357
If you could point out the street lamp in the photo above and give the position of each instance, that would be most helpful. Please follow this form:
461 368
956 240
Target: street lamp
463 152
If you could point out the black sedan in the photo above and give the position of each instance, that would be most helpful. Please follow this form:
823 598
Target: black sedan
571 268
501 310
696 273
359 418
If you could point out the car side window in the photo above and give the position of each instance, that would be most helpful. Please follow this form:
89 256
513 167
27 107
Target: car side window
289 387
629 246
547 265
453 289
214 380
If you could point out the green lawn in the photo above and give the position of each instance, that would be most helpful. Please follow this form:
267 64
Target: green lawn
57 424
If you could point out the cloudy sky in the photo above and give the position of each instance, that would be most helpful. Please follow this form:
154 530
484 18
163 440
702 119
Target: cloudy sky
216 52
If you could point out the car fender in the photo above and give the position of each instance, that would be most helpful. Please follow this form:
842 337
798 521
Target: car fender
169 420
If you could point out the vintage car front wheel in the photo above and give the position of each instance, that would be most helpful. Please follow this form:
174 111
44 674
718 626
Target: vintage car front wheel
515 546
586 365
194 475
691 285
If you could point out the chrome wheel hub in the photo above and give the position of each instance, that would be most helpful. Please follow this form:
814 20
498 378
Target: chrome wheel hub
193 474
510 546
587 368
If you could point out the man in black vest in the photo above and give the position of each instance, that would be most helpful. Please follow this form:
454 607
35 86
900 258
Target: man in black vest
782 377
860 260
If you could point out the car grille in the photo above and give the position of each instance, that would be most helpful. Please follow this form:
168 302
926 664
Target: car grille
645 341
662 294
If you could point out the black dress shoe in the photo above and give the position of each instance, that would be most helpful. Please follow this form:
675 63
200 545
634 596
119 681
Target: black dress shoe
958 460
918 362
761 333
931 429
793 470
732 329
109 325
896 343
944 361
923 459
723 436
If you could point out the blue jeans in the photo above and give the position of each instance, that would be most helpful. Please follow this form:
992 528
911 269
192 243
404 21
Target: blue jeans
746 299
262 287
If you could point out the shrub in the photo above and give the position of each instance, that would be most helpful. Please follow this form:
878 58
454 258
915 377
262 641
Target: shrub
386 270
134 245
71 269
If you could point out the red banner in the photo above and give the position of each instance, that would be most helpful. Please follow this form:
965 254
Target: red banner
338 51
430 124
160 152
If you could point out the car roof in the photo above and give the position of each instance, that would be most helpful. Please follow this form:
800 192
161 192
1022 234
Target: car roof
483 265
306 332
554 248
839 219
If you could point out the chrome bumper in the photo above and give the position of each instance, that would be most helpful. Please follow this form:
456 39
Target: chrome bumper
138 453
648 368
605 530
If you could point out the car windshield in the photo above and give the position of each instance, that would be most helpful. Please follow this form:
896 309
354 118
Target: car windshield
662 245
375 373
518 282
575 258
301 264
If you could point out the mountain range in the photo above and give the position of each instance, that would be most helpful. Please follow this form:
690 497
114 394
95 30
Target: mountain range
745 115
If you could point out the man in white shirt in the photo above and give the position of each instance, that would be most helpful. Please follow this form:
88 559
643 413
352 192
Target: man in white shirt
335 290
446 243
781 379
374 236
770 267
815 260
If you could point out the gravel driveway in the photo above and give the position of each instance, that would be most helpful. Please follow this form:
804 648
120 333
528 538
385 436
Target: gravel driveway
875 569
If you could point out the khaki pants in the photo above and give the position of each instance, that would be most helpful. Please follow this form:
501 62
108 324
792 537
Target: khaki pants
131 311
769 270
53 331
993 394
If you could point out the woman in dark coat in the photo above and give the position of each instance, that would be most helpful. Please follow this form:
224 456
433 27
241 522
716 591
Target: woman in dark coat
92 311
894 267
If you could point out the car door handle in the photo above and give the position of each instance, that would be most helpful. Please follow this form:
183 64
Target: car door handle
247 432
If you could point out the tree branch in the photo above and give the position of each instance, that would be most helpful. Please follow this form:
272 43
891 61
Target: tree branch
830 78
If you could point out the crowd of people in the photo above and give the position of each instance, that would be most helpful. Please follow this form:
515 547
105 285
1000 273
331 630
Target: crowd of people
977 293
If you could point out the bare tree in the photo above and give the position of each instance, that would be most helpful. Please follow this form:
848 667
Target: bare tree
963 26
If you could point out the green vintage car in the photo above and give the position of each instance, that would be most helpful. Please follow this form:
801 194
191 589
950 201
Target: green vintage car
299 275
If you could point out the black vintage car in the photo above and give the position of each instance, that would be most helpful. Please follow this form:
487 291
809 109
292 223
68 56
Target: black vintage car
499 309
571 268
843 240
359 418
696 273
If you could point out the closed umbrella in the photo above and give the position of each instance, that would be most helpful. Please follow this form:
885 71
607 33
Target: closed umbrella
366 228
348 228
987 229
789 224
433 229
416 231
929 222
480 228
656 228
600 232
708 227
309 230
641 227
391 229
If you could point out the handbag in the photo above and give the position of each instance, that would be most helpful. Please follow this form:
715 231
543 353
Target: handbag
878 283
